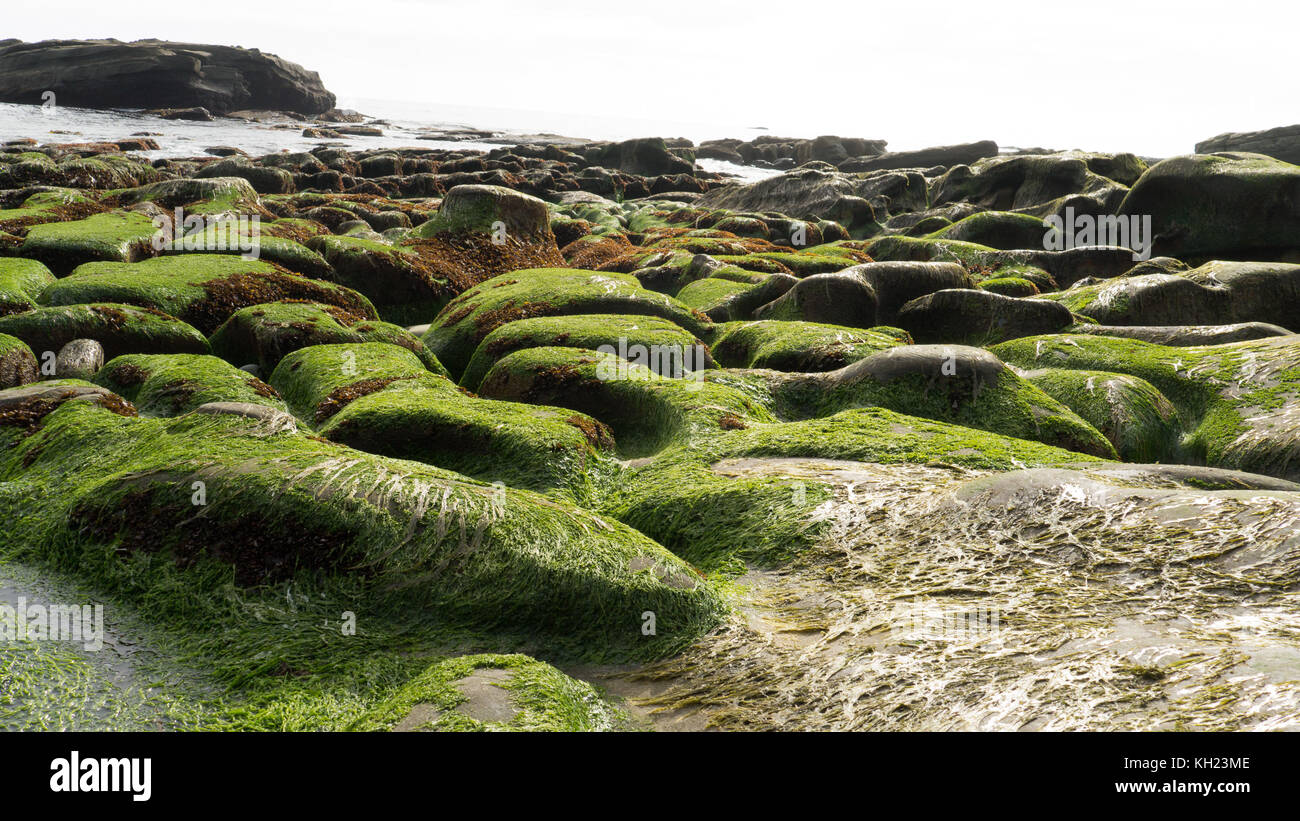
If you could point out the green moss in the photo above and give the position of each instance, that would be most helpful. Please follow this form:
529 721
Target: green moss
228 238
264 334
116 236
172 384
1138 420
590 331
202 289
21 283
711 292
121 329
799 346
545 698
283 507
646 411
456 333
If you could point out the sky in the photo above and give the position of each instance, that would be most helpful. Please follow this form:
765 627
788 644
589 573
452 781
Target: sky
1153 78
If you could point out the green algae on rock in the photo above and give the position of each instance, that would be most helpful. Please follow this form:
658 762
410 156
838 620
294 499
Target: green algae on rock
118 236
21 284
121 329
278 505
378 398
1235 402
173 384
202 289
264 334
799 346
660 342
457 332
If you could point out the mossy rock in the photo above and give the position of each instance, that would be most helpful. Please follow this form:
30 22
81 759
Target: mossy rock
265 180
173 384
226 238
467 320
507 693
380 399
264 334
1232 205
1017 287
21 283
972 316
1139 421
948 383
646 411
121 329
480 208
1216 293
591 331
702 502
280 507
18 364
116 236
712 293
1236 402
841 298
519 445
51 205
799 346
996 229
202 289
395 279
819 260
214 195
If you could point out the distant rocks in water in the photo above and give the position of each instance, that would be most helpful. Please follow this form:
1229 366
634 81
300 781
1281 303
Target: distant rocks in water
945 155
1281 143
157 74
196 114
845 153
787 152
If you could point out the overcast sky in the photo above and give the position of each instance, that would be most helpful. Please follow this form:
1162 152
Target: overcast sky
1152 78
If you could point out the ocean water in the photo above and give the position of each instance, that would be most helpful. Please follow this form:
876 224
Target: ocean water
405 123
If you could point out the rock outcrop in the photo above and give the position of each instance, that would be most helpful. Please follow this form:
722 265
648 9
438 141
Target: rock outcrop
157 74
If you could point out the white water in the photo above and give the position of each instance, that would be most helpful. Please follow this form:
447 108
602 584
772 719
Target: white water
405 124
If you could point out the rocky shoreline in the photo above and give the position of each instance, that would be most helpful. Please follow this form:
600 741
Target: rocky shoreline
431 423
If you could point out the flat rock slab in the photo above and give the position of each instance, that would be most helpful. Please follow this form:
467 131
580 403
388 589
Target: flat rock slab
420 715
488 699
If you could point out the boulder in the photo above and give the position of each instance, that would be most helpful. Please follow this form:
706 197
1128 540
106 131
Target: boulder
1280 143
1228 205
978 317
